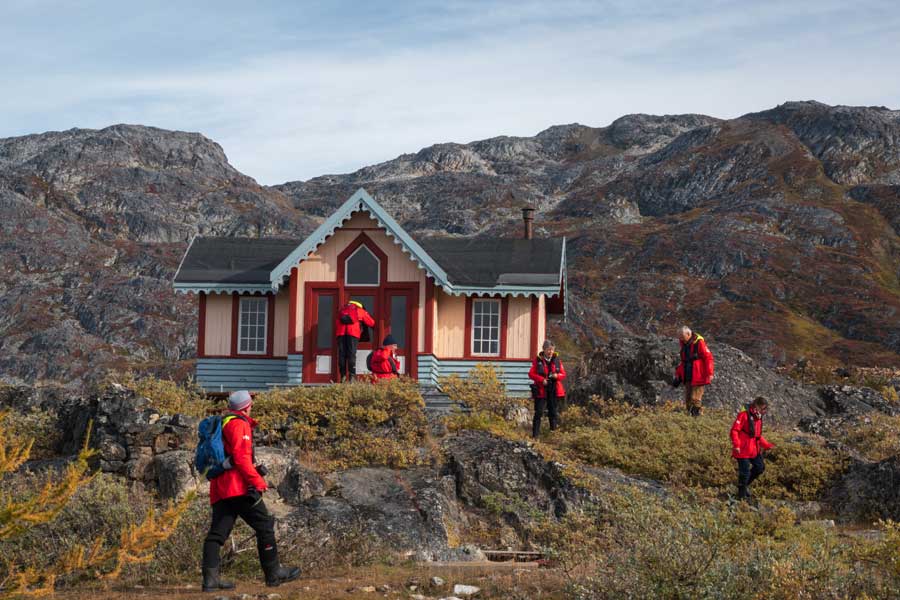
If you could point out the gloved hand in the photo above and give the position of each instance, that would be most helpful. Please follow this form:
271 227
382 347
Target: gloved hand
262 470
676 381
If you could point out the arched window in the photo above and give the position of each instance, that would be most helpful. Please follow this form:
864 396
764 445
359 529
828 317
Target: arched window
363 268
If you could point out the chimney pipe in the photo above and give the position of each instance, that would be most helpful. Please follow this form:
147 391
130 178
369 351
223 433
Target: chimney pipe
528 218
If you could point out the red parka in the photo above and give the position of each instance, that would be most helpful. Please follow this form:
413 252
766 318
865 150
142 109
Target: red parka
702 367
540 372
237 437
358 315
747 442
384 365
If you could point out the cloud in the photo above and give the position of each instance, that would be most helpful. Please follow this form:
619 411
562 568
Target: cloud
346 90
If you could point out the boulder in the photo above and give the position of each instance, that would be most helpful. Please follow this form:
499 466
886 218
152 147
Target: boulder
174 474
868 491
299 484
490 471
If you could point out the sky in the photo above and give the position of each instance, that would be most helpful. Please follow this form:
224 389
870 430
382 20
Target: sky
294 89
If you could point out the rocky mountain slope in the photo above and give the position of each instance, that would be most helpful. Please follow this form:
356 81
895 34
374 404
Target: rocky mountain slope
776 232
94 224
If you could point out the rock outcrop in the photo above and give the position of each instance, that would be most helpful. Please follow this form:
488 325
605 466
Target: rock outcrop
639 370
133 439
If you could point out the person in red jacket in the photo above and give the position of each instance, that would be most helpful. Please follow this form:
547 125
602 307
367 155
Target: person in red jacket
385 364
348 328
238 493
748 445
695 370
547 373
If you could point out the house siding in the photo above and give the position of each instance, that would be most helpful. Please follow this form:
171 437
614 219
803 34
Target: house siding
229 374
513 374
217 339
518 329
280 345
449 334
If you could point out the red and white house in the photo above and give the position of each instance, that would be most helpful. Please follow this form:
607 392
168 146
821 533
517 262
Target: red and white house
267 306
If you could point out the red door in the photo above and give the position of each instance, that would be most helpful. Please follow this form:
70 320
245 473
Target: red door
319 343
368 297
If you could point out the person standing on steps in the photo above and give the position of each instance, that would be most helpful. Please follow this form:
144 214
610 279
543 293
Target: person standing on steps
385 364
695 370
238 493
748 445
547 373
348 328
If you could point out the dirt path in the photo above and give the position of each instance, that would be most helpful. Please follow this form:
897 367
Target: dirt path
496 580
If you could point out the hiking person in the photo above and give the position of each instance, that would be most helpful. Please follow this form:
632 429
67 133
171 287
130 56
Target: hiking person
348 328
748 445
547 373
237 492
695 370
385 364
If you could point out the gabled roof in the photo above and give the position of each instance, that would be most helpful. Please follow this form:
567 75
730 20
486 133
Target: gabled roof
458 265
360 200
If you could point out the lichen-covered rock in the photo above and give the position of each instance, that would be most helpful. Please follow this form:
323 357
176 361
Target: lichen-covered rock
491 471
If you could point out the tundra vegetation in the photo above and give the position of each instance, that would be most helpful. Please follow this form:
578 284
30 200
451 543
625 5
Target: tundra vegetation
666 528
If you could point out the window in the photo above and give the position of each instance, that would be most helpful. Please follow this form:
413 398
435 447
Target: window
398 319
362 268
325 325
485 327
252 326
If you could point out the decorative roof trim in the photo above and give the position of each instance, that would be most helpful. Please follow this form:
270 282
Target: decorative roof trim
504 290
360 200
222 288
183 257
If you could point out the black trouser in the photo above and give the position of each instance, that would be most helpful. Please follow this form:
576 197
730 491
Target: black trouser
347 355
749 469
551 402
256 515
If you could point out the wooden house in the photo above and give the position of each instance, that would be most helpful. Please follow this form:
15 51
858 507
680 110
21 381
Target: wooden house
267 306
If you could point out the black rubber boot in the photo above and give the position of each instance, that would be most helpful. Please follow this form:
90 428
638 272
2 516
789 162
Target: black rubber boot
695 411
279 575
743 493
212 582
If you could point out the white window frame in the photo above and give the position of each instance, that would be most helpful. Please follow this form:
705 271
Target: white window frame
499 304
245 301
347 268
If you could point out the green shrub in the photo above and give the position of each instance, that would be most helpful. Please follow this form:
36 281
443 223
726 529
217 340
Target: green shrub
677 449
350 424
639 545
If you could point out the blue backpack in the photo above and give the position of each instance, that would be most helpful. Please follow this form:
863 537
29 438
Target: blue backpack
210 456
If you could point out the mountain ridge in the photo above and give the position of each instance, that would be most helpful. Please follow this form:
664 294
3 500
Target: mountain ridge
776 232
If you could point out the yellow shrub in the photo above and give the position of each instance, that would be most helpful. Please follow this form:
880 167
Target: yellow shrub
481 390
876 436
350 424
693 451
